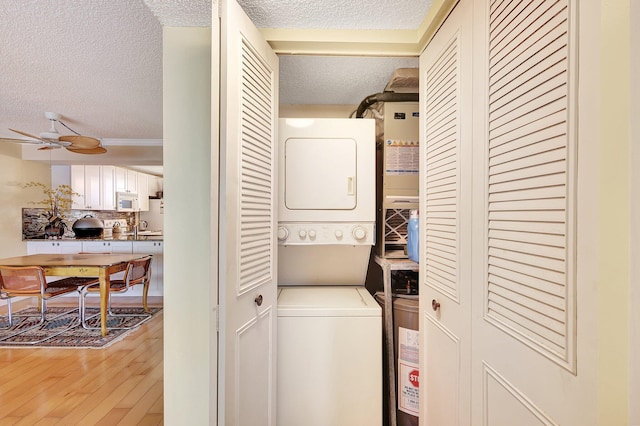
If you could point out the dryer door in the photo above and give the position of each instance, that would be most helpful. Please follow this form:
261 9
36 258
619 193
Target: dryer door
320 174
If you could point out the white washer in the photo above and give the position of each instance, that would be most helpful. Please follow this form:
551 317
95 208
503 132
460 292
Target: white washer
329 326
329 360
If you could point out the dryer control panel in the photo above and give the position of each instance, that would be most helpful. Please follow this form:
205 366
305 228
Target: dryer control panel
318 233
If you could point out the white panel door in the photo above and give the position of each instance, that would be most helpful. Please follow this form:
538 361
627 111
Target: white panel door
445 218
248 179
527 365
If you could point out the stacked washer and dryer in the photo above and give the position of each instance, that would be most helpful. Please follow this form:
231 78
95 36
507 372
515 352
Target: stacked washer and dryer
329 326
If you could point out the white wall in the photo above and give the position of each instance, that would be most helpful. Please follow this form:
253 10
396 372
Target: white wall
14 173
190 342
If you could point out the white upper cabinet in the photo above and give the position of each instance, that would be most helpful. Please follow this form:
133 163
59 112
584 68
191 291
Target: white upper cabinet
132 181
87 181
108 188
97 185
126 180
143 192
120 179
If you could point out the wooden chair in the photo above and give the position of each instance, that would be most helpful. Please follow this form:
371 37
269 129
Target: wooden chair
30 281
138 272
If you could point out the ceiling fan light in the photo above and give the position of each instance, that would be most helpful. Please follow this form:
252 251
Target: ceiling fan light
50 135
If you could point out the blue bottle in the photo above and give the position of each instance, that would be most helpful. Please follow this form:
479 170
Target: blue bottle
413 236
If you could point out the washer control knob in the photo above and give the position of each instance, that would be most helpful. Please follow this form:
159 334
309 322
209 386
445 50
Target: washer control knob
312 234
359 233
338 234
283 233
302 234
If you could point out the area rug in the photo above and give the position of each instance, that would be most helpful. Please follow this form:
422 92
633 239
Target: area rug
73 334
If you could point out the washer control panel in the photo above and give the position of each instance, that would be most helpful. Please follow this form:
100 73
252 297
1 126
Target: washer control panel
309 233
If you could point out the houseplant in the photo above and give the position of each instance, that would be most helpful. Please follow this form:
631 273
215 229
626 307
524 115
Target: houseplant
57 203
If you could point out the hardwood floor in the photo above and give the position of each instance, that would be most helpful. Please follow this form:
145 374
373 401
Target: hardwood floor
118 385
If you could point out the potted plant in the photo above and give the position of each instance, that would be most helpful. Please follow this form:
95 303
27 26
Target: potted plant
57 203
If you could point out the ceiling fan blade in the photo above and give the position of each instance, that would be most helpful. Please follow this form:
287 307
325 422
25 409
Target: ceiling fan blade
80 142
28 135
48 147
96 150
29 141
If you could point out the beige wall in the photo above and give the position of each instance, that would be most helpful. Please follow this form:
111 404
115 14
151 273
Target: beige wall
14 172
634 292
190 351
614 150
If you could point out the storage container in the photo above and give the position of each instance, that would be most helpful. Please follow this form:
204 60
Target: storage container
413 236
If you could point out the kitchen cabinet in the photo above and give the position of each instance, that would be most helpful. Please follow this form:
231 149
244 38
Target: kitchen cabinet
126 180
120 176
86 181
157 271
154 248
143 192
132 181
98 185
107 247
53 247
108 187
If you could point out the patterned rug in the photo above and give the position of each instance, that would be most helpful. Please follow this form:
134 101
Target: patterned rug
63 330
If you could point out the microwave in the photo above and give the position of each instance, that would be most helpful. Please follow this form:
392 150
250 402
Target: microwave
127 202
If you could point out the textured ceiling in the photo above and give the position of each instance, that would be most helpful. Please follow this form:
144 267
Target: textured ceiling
335 80
99 62
182 13
337 14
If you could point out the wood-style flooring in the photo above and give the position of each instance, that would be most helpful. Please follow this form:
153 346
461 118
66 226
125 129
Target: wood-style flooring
119 385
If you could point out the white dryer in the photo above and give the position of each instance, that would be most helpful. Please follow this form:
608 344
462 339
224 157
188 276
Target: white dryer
329 326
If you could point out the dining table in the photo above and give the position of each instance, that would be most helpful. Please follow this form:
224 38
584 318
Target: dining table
101 265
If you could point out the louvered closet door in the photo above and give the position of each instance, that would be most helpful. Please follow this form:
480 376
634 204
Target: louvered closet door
248 123
445 217
524 282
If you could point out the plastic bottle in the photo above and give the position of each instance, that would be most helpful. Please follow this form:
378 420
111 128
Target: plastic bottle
413 236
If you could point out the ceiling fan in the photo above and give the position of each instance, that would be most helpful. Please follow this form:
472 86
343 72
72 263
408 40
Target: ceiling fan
53 140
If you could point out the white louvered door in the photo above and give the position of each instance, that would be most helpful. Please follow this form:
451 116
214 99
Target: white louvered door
248 178
445 219
525 358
